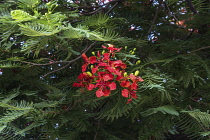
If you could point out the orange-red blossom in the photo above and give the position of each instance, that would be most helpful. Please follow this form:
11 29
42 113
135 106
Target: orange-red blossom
105 72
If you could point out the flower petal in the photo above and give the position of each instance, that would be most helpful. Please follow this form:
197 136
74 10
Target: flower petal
108 77
129 100
140 79
125 93
112 86
134 86
110 69
76 85
103 46
90 86
94 70
106 92
106 56
85 57
125 84
133 77
84 67
133 95
99 93
92 59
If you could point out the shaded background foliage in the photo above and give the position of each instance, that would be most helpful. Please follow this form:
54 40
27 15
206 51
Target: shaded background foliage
41 47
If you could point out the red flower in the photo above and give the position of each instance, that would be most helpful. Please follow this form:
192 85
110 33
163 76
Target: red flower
129 93
90 86
129 100
99 93
135 78
105 73
106 56
112 86
111 48
118 64
88 61
125 83
103 90
125 93
84 80
84 67
108 77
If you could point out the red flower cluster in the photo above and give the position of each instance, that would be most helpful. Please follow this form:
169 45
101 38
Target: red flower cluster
104 72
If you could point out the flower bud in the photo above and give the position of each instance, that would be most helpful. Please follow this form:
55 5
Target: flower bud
125 74
103 51
134 49
138 62
136 73
132 52
126 47
49 3
93 53
110 45
89 73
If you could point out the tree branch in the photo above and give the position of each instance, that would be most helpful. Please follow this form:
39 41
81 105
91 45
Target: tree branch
106 7
192 8
69 62
170 13
156 16
200 49
112 8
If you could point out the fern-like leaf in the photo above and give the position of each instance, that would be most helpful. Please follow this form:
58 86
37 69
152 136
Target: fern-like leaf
21 16
167 109
96 20
28 3
34 29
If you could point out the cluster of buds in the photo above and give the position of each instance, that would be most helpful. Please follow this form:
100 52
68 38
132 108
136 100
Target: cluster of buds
105 71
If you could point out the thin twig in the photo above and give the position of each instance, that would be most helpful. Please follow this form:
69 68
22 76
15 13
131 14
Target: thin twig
75 103
91 13
170 13
71 60
97 130
192 8
200 49
207 47
69 108
112 8
156 16
106 7
199 101
45 64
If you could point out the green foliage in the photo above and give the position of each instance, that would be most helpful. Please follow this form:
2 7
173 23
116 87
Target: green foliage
167 109
21 16
27 3
40 49
34 29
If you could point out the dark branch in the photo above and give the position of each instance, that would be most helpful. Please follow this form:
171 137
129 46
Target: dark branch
69 62
156 16
192 8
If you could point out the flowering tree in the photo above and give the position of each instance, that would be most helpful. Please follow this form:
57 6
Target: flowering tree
105 72
118 69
